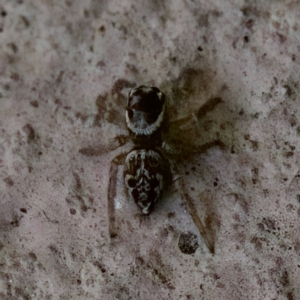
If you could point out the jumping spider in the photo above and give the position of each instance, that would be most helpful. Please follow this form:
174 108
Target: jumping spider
146 170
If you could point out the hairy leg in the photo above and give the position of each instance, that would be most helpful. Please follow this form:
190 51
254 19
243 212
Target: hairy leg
188 135
181 187
111 194
115 143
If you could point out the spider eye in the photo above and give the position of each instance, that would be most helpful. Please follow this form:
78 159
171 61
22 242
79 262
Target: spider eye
131 182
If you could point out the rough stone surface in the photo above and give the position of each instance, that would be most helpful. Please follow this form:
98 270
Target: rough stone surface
230 69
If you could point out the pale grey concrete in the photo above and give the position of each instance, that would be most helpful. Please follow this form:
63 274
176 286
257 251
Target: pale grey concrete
65 69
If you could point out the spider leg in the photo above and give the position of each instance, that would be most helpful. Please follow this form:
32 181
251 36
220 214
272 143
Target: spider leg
116 162
187 136
115 143
208 106
203 148
193 119
188 200
192 210
118 141
196 219
172 151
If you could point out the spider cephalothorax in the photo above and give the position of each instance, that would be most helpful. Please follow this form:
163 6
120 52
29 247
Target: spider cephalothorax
145 115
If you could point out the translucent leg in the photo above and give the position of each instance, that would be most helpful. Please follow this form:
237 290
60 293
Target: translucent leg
111 194
193 211
114 144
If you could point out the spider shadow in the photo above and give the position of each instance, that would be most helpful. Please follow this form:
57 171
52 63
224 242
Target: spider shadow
180 150
203 128
199 121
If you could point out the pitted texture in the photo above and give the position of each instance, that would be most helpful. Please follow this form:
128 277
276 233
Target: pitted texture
66 69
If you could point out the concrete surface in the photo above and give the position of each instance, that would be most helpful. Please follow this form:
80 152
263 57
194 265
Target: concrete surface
65 69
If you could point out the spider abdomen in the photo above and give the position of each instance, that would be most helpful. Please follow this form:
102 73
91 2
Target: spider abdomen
144 175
